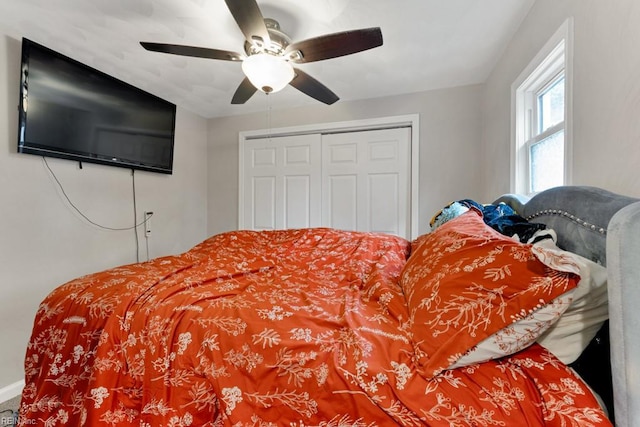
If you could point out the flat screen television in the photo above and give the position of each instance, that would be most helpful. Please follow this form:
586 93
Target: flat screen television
72 111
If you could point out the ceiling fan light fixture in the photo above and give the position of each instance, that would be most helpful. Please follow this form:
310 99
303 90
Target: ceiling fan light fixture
269 53
268 73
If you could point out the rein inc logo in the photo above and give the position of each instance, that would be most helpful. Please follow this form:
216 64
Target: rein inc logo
8 418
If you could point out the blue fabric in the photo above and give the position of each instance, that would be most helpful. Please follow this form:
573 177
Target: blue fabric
448 213
501 218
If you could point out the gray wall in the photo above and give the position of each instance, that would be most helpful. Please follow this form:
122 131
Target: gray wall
44 243
606 103
450 130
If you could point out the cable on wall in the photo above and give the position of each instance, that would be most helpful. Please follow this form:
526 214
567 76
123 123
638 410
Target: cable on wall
146 238
86 218
135 214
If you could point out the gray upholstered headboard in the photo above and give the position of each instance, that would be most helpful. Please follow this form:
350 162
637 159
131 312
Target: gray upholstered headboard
580 216
603 227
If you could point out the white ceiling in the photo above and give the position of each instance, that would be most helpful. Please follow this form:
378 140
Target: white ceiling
428 44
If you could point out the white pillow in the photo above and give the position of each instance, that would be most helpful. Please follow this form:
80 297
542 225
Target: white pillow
519 335
575 329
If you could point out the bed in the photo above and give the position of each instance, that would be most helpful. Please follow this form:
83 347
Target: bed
322 327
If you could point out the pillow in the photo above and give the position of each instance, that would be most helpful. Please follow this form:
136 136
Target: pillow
465 282
573 332
519 335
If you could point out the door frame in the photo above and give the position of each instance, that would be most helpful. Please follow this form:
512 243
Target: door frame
410 120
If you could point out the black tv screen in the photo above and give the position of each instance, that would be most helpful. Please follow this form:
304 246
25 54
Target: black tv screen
72 111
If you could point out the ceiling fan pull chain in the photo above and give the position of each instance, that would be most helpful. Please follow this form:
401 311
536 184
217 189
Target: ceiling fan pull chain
268 118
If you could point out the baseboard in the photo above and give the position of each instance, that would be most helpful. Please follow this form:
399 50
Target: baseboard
11 391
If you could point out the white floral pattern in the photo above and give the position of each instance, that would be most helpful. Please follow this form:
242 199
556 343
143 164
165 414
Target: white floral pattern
476 295
285 328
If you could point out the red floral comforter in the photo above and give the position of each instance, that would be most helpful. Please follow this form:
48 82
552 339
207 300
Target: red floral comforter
281 328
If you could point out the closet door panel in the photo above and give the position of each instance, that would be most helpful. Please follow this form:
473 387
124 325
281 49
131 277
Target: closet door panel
384 203
263 194
297 194
340 208
292 167
379 162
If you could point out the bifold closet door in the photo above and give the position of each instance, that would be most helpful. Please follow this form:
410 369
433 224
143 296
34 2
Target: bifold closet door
366 181
281 183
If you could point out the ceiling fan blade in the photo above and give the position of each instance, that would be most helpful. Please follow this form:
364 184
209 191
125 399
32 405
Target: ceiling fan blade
244 92
198 52
334 45
250 20
310 86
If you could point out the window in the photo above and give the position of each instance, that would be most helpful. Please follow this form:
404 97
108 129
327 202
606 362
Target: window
541 148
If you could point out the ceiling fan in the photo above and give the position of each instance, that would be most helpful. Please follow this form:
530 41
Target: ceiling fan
269 53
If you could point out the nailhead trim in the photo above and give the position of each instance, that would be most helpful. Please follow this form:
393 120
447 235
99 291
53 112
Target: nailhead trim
571 217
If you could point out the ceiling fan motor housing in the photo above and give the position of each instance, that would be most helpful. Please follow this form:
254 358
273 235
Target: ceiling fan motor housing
279 41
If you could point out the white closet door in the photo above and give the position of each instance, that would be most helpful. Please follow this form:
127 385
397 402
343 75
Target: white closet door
366 181
281 183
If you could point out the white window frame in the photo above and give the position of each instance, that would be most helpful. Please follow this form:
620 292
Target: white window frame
555 58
